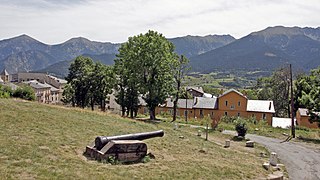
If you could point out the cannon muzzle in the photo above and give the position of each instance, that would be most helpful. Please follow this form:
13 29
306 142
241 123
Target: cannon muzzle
101 141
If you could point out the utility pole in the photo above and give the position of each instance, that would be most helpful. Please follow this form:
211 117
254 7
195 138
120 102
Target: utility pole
207 127
293 133
186 112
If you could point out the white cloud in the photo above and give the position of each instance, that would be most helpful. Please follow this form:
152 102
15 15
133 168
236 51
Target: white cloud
54 21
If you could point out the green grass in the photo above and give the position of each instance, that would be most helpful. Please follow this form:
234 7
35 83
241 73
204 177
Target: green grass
263 129
47 142
225 79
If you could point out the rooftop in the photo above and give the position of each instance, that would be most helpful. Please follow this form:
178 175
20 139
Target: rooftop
57 79
305 112
37 85
205 103
233 90
194 88
4 72
260 106
181 103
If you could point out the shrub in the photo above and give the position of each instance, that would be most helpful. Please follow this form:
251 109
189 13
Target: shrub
228 119
25 92
5 92
241 128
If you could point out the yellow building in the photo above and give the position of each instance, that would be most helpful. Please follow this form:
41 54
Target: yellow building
231 103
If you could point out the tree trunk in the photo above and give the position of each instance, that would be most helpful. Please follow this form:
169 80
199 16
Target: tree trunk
175 102
123 111
152 113
135 112
73 102
92 104
131 113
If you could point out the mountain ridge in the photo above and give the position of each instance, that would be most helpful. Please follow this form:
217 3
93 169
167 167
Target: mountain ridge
10 50
264 50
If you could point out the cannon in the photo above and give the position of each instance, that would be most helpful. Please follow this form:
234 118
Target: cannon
101 141
124 148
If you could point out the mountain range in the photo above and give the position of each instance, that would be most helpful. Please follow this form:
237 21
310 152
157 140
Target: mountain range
263 50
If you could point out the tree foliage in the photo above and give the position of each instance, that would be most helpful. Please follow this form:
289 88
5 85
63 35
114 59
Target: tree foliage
276 88
24 92
144 65
180 68
5 92
89 83
307 93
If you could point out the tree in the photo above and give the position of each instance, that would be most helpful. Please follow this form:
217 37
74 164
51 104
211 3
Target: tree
307 90
5 91
101 83
68 95
276 88
148 60
79 79
25 92
127 86
180 69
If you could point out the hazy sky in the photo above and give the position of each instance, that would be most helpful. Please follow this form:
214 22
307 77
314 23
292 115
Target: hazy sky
55 21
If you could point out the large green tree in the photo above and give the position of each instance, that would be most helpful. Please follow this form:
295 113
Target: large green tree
180 68
277 88
89 83
127 85
79 78
307 93
102 81
148 60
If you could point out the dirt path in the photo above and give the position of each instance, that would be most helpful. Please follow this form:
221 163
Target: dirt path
301 162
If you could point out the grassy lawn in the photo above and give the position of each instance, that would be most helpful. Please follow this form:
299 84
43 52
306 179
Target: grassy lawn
263 129
47 142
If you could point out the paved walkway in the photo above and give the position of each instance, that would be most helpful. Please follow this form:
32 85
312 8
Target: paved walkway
301 162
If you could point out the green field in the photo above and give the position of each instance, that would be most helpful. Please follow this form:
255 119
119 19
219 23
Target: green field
225 79
47 142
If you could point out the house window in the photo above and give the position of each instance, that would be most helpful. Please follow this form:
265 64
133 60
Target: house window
201 113
264 116
232 107
239 103
226 103
212 113
226 113
238 114
185 112
253 115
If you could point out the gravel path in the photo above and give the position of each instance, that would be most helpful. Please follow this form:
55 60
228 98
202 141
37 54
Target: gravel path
301 162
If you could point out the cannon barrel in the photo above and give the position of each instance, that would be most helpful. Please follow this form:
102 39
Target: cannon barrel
101 141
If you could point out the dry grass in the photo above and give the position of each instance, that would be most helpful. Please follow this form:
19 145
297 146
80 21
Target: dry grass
46 142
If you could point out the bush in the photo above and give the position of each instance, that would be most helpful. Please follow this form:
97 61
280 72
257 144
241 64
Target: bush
25 92
241 128
5 92
228 119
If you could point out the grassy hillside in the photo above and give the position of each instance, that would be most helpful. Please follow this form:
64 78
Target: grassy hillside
46 142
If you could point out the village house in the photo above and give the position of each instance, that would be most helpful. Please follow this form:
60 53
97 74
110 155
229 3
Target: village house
45 93
184 107
48 88
4 76
303 116
231 103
